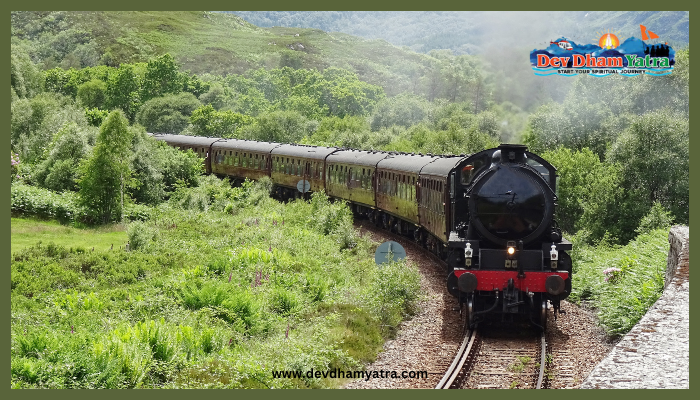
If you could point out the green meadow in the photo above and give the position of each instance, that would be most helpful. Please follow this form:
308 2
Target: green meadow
28 232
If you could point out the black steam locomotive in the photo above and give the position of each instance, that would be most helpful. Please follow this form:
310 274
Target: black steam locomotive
489 215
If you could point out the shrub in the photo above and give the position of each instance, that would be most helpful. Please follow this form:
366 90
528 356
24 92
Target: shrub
43 203
657 218
196 295
394 292
284 302
140 235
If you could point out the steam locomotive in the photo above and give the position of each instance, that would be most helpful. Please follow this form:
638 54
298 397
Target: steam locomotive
489 215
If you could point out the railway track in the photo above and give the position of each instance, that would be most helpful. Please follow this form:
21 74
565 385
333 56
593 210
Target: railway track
489 357
496 360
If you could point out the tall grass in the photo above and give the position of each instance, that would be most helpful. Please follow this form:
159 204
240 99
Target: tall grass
621 283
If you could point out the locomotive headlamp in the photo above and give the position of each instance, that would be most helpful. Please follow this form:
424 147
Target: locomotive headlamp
510 247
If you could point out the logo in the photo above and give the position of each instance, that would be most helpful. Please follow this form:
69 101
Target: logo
608 56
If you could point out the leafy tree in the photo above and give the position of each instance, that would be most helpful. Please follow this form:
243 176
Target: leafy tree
34 122
169 114
95 116
305 105
92 94
194 85
657 218
158 169
654 154
403 110
275 84
279 126
589 192
123 90
344 94
25 77
59 170
216 96
56 79
105 175
162 77
576 124
206 121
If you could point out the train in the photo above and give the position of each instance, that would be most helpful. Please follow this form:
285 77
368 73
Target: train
490 216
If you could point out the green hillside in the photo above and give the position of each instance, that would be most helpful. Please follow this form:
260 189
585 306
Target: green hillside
479 32
205 42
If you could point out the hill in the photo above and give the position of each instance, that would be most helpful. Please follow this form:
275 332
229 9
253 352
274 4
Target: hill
478 32
205 42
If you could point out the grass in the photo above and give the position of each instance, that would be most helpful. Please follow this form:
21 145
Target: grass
209 299
27 232
620 282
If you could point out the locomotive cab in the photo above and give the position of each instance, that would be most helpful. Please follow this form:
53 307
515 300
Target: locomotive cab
506 254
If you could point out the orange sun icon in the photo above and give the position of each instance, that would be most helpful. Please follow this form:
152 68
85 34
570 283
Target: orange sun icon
608 41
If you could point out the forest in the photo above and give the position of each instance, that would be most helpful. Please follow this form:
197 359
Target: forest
81 157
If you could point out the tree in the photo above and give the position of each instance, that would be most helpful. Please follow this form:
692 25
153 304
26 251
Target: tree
403 110
209 122
168 114
345 94
123 90
92 94
106 173
162 77
59 170
215 96
279 126
159 169
25 77
654 153
195 85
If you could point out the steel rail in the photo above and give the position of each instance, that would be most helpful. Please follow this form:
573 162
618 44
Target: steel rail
543 359
459 360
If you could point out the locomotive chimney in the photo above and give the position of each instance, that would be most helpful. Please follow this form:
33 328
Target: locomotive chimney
513 153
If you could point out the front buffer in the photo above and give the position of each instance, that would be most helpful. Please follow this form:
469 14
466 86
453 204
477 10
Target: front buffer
510 281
